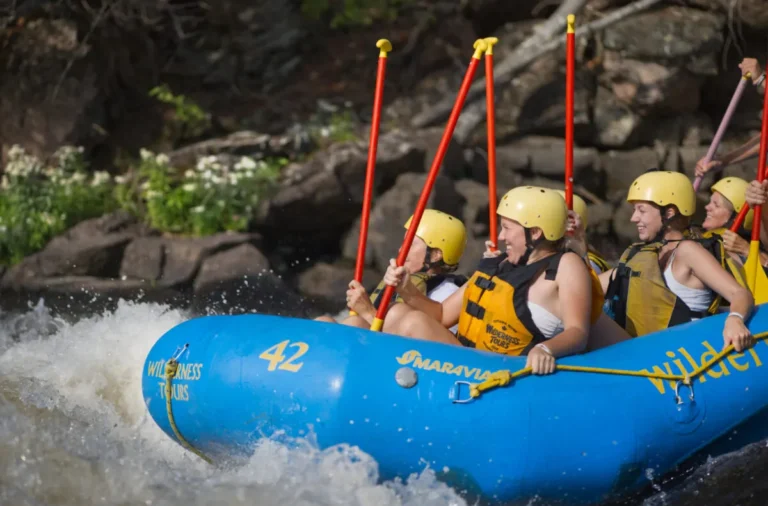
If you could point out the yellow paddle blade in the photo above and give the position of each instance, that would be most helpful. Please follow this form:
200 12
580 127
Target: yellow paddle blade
756 278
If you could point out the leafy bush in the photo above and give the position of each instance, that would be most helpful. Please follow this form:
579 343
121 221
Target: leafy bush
189 120
38 202
219 194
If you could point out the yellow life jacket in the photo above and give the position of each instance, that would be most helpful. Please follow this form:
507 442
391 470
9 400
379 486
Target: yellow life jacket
421 280
713 242
495 315
599 261
641 301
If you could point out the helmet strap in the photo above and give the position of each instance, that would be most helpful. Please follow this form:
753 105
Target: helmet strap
664 224
530 245
429 264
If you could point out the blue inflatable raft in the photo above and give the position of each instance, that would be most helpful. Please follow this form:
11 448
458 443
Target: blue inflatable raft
574 436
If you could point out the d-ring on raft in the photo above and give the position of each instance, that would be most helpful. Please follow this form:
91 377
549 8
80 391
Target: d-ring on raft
582 433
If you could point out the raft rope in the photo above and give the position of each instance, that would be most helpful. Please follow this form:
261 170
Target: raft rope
170 372
504 377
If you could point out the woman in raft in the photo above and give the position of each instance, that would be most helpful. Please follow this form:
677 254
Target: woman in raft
728 197
435 254
667 279
534 300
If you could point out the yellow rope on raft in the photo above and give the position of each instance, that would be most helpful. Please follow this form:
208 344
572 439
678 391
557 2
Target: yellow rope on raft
504 377
170 372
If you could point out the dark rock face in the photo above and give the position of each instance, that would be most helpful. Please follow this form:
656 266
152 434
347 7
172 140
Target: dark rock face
390 213
650 92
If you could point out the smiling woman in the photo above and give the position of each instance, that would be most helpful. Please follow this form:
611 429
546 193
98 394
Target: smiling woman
533 300
667 278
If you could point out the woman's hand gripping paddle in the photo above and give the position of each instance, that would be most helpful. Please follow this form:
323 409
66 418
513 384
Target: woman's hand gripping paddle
480 48
384 48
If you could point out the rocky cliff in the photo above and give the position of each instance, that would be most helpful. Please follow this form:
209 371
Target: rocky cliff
650 92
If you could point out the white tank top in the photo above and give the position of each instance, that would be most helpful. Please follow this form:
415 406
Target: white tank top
442 292
696 299
547 323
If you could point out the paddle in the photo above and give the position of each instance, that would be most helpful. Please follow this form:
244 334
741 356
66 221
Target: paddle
480 47
491 124
384 47
570 71
756 278
724 125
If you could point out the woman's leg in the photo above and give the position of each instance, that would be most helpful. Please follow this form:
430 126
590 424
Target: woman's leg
394 313
356 321
420 326
325 318
605 332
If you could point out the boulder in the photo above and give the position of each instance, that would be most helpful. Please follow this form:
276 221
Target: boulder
534 103
615 124
51 93
547 157
475 213
143 259
512 163
688 38
651 88
239 280
183 257
689 155
749 13
453 165
391 211
254 40
91 248
325 285
623 167
324 195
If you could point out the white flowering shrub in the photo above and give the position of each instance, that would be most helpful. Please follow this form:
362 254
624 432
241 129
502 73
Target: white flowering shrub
215 196
39 201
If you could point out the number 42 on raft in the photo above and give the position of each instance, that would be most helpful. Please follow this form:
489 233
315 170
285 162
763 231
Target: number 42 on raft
277 360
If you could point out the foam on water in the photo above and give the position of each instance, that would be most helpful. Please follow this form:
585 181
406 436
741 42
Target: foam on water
74 430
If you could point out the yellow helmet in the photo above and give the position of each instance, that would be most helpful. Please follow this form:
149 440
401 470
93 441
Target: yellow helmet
443 231
665 188
579 207
734 189
533 206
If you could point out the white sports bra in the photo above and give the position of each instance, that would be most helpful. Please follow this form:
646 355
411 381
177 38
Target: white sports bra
696 299
547 323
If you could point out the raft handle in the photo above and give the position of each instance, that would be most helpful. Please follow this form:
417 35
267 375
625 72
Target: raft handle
678 399
456 392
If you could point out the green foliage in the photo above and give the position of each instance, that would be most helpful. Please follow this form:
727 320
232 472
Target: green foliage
350 13
340 127
189 119
38 202
213 197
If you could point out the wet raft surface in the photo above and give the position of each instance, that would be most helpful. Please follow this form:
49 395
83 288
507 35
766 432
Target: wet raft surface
73 430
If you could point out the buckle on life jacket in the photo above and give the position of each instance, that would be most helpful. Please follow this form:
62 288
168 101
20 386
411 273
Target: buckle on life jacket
465 342
485 283
475 310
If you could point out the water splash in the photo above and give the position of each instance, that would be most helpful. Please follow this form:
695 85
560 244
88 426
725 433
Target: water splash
74 430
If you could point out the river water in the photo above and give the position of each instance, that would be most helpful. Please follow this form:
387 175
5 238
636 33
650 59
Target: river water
74 431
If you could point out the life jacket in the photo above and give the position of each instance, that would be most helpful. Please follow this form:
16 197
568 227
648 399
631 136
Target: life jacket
599 261
421 280
495 314
639 298
712 240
